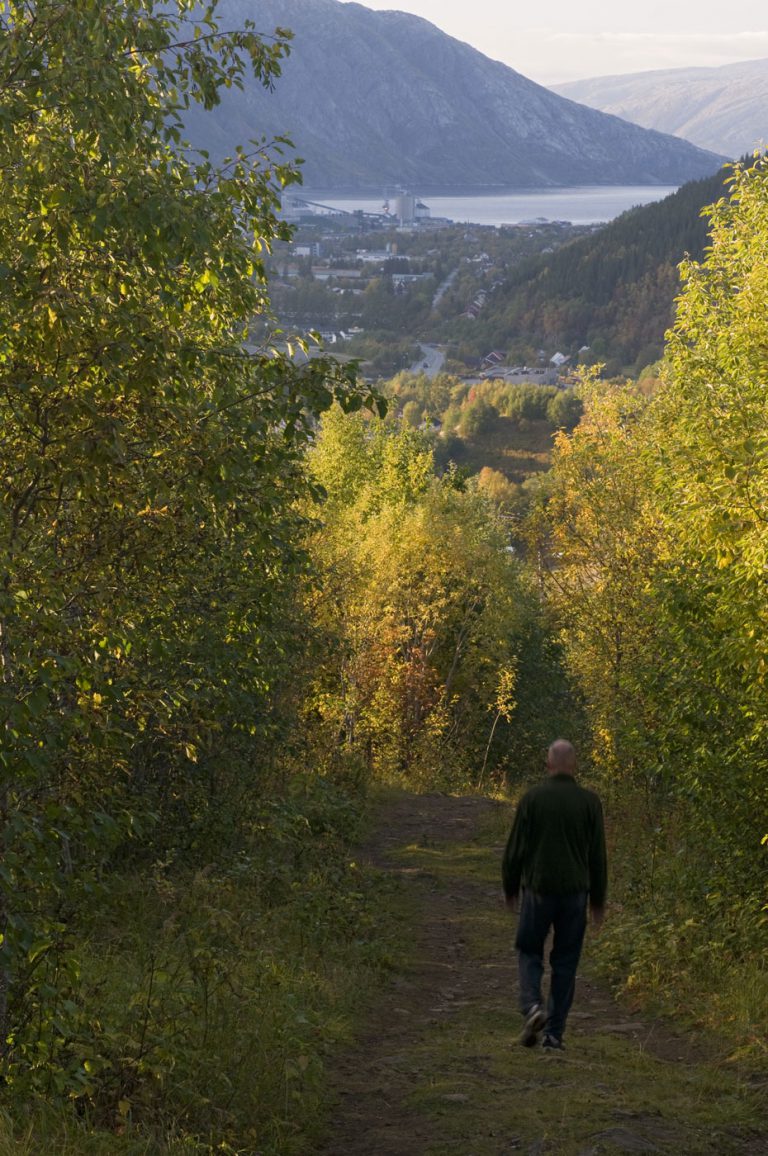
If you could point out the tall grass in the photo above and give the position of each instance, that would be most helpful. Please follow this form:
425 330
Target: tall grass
218 995
673 944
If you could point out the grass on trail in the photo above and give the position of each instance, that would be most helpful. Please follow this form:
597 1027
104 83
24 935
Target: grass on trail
441 1054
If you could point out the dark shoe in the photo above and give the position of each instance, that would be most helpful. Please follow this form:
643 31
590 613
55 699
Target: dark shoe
534 1022
551 1043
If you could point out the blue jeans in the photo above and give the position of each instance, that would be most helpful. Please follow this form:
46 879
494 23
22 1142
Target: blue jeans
567 914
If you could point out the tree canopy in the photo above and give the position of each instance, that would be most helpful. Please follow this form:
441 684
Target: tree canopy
150 462
658 551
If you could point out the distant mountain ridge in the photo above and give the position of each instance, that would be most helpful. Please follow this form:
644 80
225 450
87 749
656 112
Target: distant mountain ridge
385 98
724 109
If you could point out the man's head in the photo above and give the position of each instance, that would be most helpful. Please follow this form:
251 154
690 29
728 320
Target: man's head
561 758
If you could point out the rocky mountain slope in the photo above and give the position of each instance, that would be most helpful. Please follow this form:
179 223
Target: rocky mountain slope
724 109
386 98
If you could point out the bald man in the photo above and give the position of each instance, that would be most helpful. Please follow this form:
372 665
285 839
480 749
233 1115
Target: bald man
556 854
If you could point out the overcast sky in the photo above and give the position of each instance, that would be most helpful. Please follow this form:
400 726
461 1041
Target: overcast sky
558 40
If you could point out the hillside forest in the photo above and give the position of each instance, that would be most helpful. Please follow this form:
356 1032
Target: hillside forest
240 590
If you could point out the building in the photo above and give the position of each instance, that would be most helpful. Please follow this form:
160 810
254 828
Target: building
408 209
520 375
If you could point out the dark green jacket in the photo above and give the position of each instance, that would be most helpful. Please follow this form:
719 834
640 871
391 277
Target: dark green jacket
557 842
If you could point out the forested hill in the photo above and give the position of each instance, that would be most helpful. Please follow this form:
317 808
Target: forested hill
613 291
381 98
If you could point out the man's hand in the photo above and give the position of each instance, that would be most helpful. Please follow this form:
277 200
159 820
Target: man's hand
511 902
597 915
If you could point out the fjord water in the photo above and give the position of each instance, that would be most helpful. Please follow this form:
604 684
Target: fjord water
580 206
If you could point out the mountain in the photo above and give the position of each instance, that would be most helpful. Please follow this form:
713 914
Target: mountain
385 98
613 291
724 109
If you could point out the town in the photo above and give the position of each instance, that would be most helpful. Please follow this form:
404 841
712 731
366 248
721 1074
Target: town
398 289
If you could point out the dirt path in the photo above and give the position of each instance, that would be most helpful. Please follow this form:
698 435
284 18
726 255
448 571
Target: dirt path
438 1069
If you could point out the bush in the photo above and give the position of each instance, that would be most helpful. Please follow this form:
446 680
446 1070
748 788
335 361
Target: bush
477 417
564 410
219 992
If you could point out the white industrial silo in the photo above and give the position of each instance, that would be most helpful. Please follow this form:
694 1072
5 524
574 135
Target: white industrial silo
404 208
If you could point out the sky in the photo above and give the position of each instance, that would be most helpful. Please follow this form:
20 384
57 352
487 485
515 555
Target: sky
552 41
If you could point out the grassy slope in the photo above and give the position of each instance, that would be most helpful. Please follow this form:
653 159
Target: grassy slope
220 995
516 450
290 976
440 1050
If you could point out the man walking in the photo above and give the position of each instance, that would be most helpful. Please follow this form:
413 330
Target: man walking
556 852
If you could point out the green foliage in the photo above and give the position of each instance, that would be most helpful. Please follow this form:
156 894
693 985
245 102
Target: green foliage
165 872
433 394
424 608
713 405
497 487
561 408
478 416
365 465
382 354
412 414
217 994
149 466
657 535
613 291
242 972
564 410
529 402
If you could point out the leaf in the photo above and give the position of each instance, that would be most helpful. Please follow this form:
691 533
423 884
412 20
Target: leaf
38 948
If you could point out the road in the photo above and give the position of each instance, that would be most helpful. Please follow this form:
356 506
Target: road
443 289
431 361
